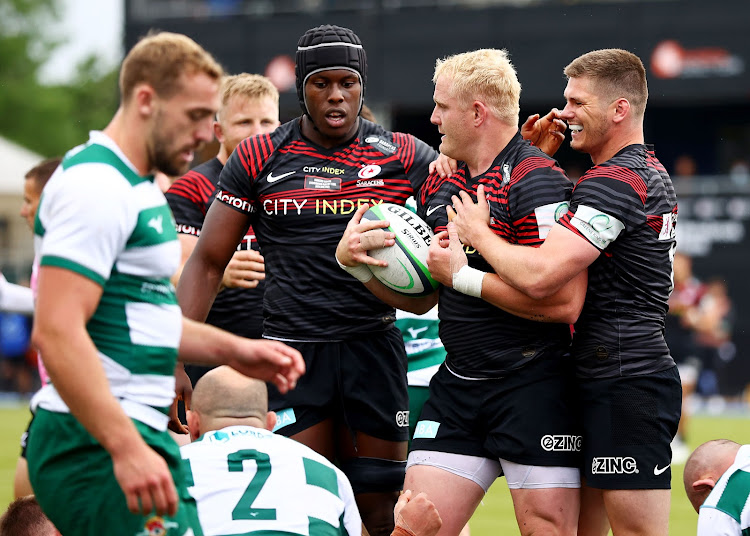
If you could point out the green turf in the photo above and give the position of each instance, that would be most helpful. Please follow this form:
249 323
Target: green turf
13 422
495 514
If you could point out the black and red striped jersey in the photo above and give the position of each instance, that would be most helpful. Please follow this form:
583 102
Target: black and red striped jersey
300 197
236 310
627 208
526 191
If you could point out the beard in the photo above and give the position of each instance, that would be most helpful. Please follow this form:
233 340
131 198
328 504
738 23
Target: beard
165 159
162 154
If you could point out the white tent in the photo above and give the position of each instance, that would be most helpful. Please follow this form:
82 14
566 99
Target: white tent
16 161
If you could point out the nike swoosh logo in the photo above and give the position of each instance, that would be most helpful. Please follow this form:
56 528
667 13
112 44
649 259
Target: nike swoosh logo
433 209
658 471
271 178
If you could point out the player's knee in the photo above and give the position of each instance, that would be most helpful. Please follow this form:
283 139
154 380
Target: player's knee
375 475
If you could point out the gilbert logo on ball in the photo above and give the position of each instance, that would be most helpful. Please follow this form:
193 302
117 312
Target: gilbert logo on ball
407 271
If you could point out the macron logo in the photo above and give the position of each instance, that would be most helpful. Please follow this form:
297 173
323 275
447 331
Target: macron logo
271 178
156 224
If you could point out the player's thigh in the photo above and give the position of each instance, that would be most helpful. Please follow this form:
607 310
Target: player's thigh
546 499
629 423
320 437
375 398
638 512
75 485
532 415
592 519
551 511
302 411
455 497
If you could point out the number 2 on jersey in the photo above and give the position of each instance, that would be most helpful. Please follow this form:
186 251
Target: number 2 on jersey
244 509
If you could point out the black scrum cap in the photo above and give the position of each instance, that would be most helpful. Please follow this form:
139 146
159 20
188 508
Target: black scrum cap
329 47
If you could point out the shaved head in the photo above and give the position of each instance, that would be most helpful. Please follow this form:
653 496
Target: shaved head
705 466
224 397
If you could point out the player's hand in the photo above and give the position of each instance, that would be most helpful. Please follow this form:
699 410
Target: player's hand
546 132
145 479
183 390
418 515
245 270
270 361
362 236
469 218
439 259
444 165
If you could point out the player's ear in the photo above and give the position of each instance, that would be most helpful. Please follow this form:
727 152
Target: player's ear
144 98
270 420
705 484
218 132
194 424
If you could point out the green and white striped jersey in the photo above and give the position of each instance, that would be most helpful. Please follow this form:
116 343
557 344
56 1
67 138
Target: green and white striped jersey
99 218
247 480
726 511
424 349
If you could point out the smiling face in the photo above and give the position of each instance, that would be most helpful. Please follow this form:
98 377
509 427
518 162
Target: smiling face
587 115
182 124
453 119
243 117
333 99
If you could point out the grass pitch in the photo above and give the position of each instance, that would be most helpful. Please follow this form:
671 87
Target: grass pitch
494 516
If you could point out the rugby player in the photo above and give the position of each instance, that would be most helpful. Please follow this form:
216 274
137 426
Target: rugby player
298 187
107 324
621 227
503 401
249 106
716 484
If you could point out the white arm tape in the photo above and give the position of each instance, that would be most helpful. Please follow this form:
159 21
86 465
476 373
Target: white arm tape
469 281
360 272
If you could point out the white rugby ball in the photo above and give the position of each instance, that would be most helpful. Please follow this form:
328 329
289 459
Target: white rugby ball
406 272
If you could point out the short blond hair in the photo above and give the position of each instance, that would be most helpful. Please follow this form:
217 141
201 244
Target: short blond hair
160 59
616 72
487 75
251 86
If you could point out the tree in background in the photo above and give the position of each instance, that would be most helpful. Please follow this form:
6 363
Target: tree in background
48 119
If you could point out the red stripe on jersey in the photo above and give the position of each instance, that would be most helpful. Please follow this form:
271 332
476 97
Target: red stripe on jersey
406 150
257 157
193 186
244 153
655 222
652 161
527 165
621 174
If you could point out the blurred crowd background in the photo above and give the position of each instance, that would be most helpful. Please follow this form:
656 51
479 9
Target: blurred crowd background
697 57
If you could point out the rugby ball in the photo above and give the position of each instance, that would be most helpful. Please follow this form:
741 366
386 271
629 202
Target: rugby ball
406 272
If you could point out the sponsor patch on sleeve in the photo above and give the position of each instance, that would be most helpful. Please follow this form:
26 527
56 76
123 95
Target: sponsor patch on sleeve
547 215
598 227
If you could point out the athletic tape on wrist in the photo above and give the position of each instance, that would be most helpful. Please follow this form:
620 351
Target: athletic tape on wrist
401 531
360 272
469 281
